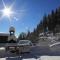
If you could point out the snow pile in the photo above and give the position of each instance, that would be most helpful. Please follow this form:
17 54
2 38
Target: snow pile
2 58
50 57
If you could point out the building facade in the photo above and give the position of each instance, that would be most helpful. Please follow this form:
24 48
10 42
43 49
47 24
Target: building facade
8 37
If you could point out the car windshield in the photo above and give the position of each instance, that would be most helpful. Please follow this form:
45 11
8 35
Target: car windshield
24 42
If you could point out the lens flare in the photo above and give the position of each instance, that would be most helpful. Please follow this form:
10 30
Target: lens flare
7 12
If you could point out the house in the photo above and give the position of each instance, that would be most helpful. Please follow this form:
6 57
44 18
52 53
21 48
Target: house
4 37
8 37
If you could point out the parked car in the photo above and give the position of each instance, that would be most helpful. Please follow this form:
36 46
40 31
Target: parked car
11 47
25 46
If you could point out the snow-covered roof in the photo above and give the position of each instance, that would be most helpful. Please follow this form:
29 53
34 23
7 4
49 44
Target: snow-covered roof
4 34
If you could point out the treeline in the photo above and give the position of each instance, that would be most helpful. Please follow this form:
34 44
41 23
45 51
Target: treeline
49 22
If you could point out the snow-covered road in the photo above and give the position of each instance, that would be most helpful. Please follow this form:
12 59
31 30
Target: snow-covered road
37 53
40 58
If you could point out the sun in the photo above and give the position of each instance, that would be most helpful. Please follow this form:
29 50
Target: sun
7 11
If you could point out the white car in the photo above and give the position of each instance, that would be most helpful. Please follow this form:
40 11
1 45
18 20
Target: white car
24 45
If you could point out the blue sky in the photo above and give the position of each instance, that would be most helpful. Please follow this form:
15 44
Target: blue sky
28 13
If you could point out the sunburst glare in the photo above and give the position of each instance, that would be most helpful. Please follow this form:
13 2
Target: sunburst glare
7 12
